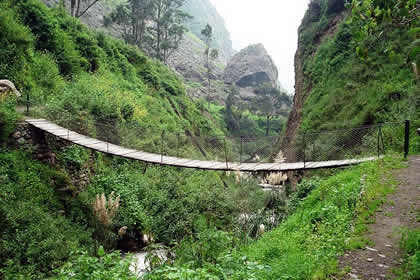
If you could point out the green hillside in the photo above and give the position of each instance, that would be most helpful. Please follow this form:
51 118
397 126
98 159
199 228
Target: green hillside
62 65
69 215
81 79
360 71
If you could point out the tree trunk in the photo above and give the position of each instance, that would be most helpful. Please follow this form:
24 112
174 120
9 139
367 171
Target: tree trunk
78 8
73 8
158 32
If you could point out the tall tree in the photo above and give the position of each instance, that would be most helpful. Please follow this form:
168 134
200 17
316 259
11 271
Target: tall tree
156 26
133 17
76 9
167 29
209 53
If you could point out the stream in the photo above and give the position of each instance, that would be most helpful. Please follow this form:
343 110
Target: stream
139 265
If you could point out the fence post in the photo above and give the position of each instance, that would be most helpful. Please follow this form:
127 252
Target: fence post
240 156
27 103
379 133
304 150
226 158
161 146
177 144
380 141
407 138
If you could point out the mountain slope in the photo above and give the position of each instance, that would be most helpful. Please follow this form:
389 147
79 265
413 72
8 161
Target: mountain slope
354 65
203 13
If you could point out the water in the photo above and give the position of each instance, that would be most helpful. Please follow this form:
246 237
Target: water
139 265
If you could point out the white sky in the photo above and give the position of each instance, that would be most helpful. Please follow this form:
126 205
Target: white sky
271 22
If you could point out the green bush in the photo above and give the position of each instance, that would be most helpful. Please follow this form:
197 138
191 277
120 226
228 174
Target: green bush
167 202
410 243
15 45
50 37
104 267
35 238
8 117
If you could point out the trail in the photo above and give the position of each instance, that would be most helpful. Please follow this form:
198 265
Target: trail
401 210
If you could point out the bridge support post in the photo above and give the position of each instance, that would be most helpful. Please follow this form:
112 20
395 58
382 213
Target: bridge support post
240 156
27 103
226 158
177 144
304 150
407 139
161 146
381 145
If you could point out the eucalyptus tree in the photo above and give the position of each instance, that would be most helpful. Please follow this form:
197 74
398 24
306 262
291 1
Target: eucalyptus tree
167 29
155 26
76 8
133 16
209 53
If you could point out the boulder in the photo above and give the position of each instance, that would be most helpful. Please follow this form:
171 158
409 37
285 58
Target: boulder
251 67
7 86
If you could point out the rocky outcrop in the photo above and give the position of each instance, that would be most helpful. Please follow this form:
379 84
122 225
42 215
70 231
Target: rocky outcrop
7 86
303 84
251 67
189 60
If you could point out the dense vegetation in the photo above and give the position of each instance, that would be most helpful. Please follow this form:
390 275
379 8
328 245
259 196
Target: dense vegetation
62 65
66 220
321 221
363 73
155 26
83 78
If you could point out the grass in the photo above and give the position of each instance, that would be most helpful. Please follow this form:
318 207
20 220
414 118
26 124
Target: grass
346 90
332 219
410 243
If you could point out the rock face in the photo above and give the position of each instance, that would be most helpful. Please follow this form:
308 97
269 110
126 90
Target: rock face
6 86
251 67
303 83
203 12
189 60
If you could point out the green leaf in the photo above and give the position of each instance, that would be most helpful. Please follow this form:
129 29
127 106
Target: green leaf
101 251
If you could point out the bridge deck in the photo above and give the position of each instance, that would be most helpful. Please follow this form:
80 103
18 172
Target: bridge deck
112 149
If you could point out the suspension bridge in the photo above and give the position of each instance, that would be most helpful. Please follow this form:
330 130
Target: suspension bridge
308 150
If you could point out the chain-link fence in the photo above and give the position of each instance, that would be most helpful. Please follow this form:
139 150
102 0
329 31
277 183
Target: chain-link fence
309 147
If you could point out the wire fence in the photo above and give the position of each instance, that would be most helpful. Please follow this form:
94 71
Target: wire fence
354 143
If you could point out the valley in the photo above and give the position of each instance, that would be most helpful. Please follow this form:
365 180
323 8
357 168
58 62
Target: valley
133 97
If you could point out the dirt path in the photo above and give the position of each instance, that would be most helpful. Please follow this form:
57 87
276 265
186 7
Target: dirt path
376 262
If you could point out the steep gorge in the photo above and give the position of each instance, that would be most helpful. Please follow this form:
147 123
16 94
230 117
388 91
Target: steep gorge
344 80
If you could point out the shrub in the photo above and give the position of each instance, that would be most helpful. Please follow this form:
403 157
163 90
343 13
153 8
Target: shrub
35 239
410 243
8 117
50 37
106 266
15 45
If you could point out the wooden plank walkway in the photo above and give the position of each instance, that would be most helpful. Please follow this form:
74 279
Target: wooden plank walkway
112 149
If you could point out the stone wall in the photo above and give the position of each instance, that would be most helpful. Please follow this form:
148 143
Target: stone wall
34 140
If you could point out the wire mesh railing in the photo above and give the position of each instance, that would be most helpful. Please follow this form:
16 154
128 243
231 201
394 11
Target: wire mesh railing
352 143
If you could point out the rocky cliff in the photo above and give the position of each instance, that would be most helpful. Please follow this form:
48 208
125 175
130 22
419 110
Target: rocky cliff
354 66
203 13
251 67
312 33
